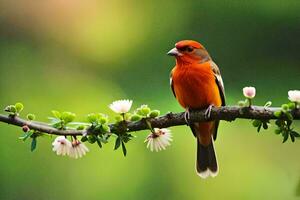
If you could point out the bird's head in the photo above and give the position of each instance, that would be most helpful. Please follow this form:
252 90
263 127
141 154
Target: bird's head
189 51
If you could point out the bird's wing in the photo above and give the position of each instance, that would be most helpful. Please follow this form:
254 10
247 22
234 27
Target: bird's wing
220 84
219 81
171 84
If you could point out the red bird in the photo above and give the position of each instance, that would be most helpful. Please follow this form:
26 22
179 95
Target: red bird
196 82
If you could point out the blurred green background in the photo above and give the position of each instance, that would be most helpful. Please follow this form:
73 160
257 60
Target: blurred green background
81 55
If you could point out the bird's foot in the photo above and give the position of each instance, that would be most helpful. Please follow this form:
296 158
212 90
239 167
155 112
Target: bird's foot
207 113
187 116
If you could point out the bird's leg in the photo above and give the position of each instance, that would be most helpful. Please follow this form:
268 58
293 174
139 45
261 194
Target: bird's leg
208 111
187 116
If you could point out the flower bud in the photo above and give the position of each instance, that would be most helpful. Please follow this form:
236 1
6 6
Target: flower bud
249 92
30 116
19 107
154 113
294 96
135 117
25 128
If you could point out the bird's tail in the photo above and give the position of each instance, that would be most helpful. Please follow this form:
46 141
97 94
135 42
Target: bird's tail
206 164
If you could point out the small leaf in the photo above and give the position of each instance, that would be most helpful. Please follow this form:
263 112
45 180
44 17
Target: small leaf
92 139
56 114
265 125
19 107
292 137
118 118
259 127
99 143
256 123
277 113
68 117
285 137
118 143
278 131
33 144
105 128
124 149
25 136
295 134
84 139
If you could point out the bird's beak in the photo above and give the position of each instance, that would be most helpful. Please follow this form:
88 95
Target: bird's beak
174 52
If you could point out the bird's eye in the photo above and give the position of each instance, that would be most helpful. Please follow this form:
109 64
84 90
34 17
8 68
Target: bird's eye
185 48
189 49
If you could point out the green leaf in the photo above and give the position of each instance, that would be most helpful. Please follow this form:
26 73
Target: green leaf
99 143
118 143
292 137
118 118
124 149
84 139
33 144
277 113
265 125
13 109
57 125
289 116
256 123
105 128
19 107
295 134
279 122
259 127
285 137
278 131
56 114
92 139
68 117
25 136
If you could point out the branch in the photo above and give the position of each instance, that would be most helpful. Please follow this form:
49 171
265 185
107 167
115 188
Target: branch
228 113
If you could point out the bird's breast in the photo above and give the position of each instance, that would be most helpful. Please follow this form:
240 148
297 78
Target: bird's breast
195 86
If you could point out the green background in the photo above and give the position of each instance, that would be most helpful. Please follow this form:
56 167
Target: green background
79 56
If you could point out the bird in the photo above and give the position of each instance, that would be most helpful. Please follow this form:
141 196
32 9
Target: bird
197 83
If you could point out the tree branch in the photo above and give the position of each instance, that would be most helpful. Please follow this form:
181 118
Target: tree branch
228 113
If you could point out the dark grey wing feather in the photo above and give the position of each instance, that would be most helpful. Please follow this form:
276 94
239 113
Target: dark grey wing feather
172 86
220 85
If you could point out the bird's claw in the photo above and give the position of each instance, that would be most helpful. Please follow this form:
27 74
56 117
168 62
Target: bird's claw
207 113
187 116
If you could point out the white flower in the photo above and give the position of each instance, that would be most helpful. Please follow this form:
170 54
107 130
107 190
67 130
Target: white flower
294 96
159 140
62 146
121 106
78 149
249 92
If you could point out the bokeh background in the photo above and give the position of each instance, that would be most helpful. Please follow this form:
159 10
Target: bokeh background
79 56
